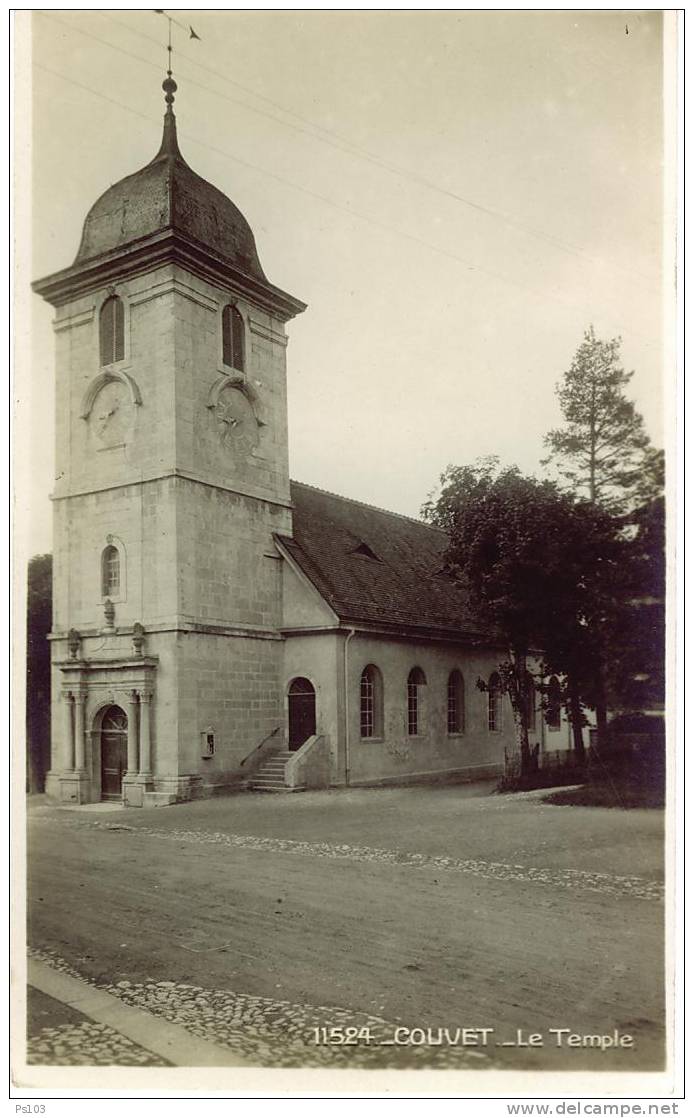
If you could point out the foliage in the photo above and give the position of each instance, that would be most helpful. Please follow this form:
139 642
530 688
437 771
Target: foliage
635 648
603 447
650 485
604 454
542 569
501 527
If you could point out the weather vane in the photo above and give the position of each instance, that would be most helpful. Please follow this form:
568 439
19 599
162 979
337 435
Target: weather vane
192 33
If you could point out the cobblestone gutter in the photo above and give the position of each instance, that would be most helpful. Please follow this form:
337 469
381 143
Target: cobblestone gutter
263 1031
610 884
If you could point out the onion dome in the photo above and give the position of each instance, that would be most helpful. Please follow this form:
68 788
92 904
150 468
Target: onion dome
167 194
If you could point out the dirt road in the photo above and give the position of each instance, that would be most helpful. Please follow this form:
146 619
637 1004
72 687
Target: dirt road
269 917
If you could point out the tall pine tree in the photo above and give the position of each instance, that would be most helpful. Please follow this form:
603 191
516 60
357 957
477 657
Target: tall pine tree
601 449
604 455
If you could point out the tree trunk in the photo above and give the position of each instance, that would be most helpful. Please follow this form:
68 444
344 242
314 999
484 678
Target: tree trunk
516 687
600 711
601 720
576 717
593 440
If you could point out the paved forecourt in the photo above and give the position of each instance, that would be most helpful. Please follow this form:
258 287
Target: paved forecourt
256 923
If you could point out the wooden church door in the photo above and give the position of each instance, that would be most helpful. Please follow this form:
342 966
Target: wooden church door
114 752
302 712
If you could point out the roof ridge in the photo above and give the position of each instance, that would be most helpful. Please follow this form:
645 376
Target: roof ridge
366 505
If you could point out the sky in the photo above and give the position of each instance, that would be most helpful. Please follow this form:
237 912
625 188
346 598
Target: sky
456 195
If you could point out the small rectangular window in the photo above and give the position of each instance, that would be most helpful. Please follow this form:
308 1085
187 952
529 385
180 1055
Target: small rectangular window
452 710
456 704
494 707
367 706
412 709
494 697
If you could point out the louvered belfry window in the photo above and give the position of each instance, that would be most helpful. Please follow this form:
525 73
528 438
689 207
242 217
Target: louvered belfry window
233 350
112 331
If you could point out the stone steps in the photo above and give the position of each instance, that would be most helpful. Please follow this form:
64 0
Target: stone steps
270 775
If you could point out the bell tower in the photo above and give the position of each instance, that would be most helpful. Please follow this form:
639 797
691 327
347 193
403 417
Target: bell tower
171 479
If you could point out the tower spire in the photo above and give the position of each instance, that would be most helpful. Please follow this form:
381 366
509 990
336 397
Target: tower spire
169 141
169 144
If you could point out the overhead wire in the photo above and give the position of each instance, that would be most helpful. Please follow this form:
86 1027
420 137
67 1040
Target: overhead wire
280 178
541 294
351 148
343 145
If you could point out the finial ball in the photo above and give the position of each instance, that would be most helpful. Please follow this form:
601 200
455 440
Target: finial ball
169 86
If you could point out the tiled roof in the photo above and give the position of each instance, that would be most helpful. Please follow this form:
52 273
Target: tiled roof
374 566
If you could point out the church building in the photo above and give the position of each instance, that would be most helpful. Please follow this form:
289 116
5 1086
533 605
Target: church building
216 625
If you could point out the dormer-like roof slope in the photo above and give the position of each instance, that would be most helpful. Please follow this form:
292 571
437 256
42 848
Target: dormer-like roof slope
376 567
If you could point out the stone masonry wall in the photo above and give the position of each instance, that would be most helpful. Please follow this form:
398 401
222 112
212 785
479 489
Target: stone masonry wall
228 571
83 464
230 685
199 368
432 750
193 517
396 755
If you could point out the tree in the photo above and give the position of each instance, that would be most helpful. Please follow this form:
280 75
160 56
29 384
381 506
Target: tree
538 567
650 486
601 449
38 703
635 648
590 592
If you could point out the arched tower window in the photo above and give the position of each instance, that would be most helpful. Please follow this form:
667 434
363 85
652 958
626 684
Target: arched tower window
233 338
553 715
112 331
110 572
371 702
415 681
456 703
494 696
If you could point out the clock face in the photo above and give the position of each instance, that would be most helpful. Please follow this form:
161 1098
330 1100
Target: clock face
236 421
111 414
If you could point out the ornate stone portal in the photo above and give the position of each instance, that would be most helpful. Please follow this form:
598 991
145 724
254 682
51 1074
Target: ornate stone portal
89 689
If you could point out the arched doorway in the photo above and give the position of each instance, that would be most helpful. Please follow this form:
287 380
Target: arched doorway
114 752
302 712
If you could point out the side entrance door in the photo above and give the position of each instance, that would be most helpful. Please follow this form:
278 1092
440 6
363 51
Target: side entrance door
302 712
114 752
